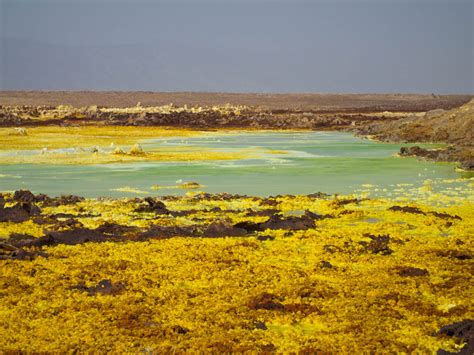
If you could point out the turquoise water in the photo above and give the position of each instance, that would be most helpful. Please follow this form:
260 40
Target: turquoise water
332 162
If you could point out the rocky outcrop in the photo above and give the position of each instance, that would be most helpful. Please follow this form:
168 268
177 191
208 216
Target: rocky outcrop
455 127
170 116
462 154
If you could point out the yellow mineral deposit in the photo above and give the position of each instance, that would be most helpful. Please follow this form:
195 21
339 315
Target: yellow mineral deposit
54 137
179 185
370 267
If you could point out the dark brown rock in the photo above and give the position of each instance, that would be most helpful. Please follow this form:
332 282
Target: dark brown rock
326 265
408 271
62 200
71 237
248 226
406 209
113 229
464 331
153 205
319 195
259 325
158 232
20 212
223 229
104 287
263 238
24 196
267 301
443 215
9 251
293 222
378 245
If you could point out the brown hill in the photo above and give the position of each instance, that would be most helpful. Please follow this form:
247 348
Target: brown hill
454 126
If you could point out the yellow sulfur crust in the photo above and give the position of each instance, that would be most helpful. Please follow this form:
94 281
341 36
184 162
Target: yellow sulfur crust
329 293
53 137
91 145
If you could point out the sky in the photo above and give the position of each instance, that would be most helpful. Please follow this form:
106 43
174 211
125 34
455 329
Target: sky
370 46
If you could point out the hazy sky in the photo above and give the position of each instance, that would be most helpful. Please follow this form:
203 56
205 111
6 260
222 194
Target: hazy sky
270 46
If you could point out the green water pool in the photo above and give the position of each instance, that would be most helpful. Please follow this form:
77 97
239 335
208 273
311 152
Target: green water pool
304 162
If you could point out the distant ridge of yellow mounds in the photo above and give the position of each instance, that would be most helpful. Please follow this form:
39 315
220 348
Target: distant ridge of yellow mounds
171 108
83 113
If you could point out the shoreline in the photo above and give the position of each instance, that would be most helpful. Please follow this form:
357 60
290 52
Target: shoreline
395 118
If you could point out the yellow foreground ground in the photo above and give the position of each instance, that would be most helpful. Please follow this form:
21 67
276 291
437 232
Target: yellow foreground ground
336 287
